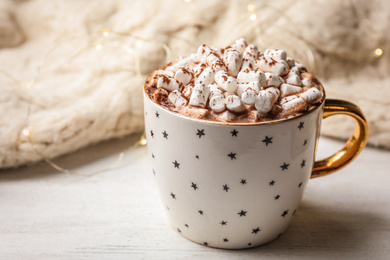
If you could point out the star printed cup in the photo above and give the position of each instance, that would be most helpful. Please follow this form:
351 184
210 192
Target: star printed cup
238 185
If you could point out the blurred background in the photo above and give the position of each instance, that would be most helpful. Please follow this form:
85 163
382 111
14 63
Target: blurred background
72 72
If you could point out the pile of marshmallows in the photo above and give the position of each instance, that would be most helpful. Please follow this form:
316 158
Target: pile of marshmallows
236 79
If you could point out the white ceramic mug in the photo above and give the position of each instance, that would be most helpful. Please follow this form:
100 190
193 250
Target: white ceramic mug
233 186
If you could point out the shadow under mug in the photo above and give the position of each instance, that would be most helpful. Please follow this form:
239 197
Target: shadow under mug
235 186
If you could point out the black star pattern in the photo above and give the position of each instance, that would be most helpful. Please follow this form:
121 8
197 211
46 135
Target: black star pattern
284 213
232 156
267 140
234 132
157 114
151 133
242 213
223 223
249 244
173 195
301 125
295 211
271 183
243 182
197 156
284 166
153 156
186 225
277 197
225 240
299 185
205 243
176 164
305 142
165 134
303 163
154 173
200 212
168 208
255 230
178 230
200 133
146 113
193 185
225 188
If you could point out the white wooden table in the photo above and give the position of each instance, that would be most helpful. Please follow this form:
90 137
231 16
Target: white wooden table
45 214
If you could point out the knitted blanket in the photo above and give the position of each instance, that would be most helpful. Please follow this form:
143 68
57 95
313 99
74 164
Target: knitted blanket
66 83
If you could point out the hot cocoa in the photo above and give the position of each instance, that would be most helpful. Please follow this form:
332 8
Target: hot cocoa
235 84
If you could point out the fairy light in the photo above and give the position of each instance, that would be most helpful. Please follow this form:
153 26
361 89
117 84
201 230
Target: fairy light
251 7
187 1
105 32
378 52
143 141
253 17
99 46
26 132
28 84
139 43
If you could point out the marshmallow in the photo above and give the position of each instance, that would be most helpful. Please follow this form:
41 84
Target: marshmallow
252 85
187 91
251 51
239 45
249 96
288 99
215 62
203 51
293 71
276 54
226 94
273 80
198 113
290 61
312 95
194 57
307 82
158 93
299 66
293 104
233 61
200 94
234 104
254 115
267 64
168 73
177 99
252 76
198 69
287 90
285 65
226 82
206 77
183 62
183 75
217 104
266 99
167 83
215 91
226 116
294 80
248 63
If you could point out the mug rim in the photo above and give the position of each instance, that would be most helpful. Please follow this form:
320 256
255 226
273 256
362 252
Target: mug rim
236 123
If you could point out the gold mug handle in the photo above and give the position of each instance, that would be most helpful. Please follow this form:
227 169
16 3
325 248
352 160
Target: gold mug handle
353 146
